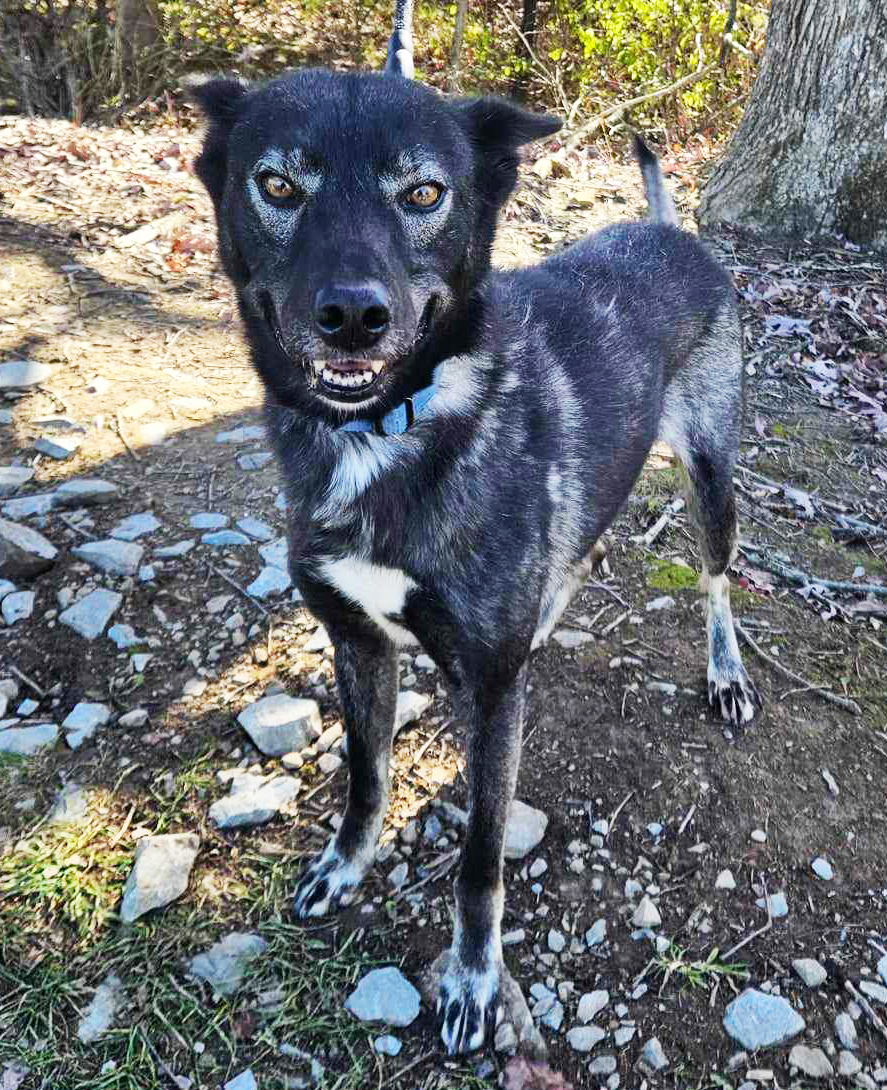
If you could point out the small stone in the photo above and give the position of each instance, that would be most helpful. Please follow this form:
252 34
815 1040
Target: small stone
399 875
170 552
845 1031
646 914
425 662
28 506
882 968
82 722
123 636
59 447
85 492
23 552
831 783
329 763
279 724
433 829
725 880
217 603
253 800
388 1045
223 965
512 938
17 606
89 616
292 761
570 638
136 526
665 602
246 1080
256 460
384 995
101 1010
255 528
6 587
778 905
222 539
13 477
601 827
848 1065
655 829
506 1038
758 1020
245 434
27 706
652 1058
524 831
623 1035
556 942
759 836
160 873
603 1065
147 573
140 662
822 869
591 1004
584 1038
194 687
208 520
71 804
26 741
812 1061
329 738
537 868
111 556
410 706
23 374
874 991
553 1018
810 971
275 553
136 718
596 934
319 640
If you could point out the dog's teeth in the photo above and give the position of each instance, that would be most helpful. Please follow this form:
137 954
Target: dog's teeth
319 366
377 366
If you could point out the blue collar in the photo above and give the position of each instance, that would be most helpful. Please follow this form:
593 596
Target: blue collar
402 416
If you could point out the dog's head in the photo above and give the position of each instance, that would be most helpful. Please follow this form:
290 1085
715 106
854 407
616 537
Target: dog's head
356 214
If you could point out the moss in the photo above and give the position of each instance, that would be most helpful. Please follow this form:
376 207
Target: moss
666 575
823 534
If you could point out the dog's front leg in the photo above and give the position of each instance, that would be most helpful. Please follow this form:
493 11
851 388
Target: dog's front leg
366 673
469 997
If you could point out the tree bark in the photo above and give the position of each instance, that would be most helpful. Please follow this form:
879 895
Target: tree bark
810 154
136 31
528 29
456 48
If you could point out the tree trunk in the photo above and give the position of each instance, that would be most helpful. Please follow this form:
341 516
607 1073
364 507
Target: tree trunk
528 30
810 155
136 32
456 47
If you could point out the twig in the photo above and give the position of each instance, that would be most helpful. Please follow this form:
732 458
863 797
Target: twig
608 590
409 1067
755 934
671 509
446 866
615 624
617 812
123 438
28 681
820 690
420 753
121 832
688 817
239 589
866 1007
802 579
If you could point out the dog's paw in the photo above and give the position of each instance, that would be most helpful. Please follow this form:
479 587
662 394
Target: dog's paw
328 884
468 1007
732 690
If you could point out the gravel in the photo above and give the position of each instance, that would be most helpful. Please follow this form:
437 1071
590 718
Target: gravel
584 1038
280 724
810 971
386 996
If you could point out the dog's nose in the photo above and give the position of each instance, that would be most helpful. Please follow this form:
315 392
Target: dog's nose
352 315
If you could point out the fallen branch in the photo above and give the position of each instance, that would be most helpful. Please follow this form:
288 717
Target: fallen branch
826 694
755 934
802 579
232 583
671 509
867 1008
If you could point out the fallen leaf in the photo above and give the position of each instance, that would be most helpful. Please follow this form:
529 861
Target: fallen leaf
522 1074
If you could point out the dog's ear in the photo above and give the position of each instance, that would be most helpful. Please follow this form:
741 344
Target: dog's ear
497 128
219 99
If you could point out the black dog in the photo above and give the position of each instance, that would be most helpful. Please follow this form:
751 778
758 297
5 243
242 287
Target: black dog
455 440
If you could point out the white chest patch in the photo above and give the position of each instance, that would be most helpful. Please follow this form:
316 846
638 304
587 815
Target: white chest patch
378 591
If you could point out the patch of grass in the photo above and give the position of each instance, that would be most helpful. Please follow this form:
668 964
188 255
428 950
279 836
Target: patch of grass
656 487
666 575
698 974
823 534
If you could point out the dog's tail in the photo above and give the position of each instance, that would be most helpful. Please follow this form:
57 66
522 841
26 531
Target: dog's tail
399 61
662 209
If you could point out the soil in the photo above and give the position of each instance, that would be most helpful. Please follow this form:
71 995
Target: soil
156 322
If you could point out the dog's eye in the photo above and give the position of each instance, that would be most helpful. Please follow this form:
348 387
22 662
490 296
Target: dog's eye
278 188
425 196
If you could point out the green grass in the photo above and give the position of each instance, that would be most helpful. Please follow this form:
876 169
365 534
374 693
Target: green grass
695 973
668 576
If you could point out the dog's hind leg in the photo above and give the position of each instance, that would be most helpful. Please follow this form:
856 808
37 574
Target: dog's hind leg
366 673
702 420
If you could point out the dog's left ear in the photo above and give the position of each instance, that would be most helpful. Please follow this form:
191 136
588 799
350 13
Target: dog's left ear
220 100
497 128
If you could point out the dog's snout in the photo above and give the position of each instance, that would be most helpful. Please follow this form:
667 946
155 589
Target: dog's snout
352 315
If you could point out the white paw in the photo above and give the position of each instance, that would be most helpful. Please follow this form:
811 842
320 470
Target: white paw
730 687
468 1006
328 883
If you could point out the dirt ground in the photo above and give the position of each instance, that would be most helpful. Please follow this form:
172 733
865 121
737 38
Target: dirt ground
148 368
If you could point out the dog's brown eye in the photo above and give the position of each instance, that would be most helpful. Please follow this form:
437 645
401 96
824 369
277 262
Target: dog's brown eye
277 187
425 195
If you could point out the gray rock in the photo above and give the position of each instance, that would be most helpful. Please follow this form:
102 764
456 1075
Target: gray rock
26 741
399 875
812 1061
257 529
553 1018
6 588
524 831
28 506
623 1035
123 636
101 1010
591 1004
845 1031
410 705
874 991
603 1065
82 722
111 556
822 869
160 873
388 1045
71 804
810 971
432 830
329 738
275 553
59 447
725 880
652 1058
319 640
384 995
453 815
209 520
778 905
848 1065
584 1038
136 718
882 968
246 1080
13 477
222 539
665 602
596 934
757 1020
280 724
22 374
246 434
90 615
646 915
17 606
329 763
23 552
269 583
223 965
556 941
256 460
147 572
512 938
85 492
506 1038
253 800
570 638
180 548
28 706
136 526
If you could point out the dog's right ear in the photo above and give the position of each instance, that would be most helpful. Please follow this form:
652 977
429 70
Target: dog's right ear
219 99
